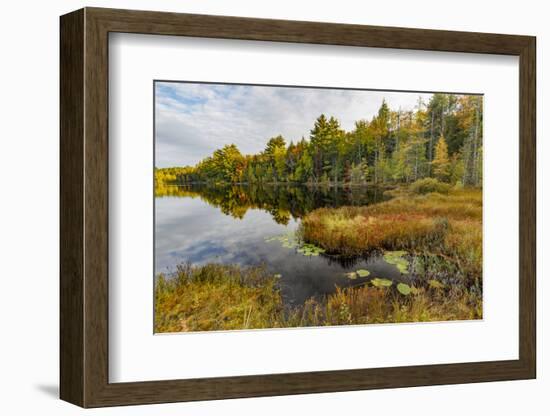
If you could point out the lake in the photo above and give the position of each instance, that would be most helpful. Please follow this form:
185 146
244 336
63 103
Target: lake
237 225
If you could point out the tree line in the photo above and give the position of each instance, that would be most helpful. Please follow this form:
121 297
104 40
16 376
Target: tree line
439 139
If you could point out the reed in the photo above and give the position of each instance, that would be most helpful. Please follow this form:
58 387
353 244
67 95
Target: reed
225 297
448 225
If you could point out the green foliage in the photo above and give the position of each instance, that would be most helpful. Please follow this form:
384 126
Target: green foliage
395 146
428 185
310 249
441 164
404 289
290 241
396 258
378 282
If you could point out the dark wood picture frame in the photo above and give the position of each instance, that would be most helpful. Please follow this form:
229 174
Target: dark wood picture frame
84 207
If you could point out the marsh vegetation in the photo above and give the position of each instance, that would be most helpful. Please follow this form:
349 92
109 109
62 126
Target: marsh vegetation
381 224
415 257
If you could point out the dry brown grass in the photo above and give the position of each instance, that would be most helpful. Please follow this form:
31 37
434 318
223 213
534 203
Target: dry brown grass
447 225
225 297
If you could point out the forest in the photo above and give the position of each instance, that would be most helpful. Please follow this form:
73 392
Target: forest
440 139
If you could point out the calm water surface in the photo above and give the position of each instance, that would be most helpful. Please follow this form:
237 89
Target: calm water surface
230 225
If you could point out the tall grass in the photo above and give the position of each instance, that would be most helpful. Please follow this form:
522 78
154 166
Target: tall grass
214 297
224 297
448 225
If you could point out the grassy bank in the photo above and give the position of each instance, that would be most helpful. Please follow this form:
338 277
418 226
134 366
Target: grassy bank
224 297
446 224
215 297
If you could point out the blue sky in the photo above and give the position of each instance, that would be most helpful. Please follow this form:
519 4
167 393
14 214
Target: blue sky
193 119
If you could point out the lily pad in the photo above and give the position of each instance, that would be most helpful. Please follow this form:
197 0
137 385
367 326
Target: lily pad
396 258
404 289
351 275
277 276
362 272
378 282
308 249
286 240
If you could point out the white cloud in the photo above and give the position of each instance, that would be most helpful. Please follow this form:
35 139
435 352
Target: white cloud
192 120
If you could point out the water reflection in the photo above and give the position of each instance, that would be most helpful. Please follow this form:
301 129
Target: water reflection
230 225
282 202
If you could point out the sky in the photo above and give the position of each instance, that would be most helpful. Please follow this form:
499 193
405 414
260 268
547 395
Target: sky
193 119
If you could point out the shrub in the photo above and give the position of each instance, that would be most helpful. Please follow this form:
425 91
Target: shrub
428 185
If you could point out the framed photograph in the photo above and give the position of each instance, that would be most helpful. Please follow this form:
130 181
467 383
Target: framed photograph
255 207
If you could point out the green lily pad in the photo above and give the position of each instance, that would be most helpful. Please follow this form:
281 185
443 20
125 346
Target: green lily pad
396 258
286 240
308 249
404 289
362 272
351 275
378 282
436 284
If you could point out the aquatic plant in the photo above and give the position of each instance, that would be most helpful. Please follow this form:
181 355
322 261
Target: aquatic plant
404 289
290 241
379 282
310 249
397 258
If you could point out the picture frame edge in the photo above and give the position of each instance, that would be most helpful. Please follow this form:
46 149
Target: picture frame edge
84 212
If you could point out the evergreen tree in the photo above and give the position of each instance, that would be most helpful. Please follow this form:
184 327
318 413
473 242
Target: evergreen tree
393 147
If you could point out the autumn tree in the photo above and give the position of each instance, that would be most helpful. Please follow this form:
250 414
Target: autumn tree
441 164
394 146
